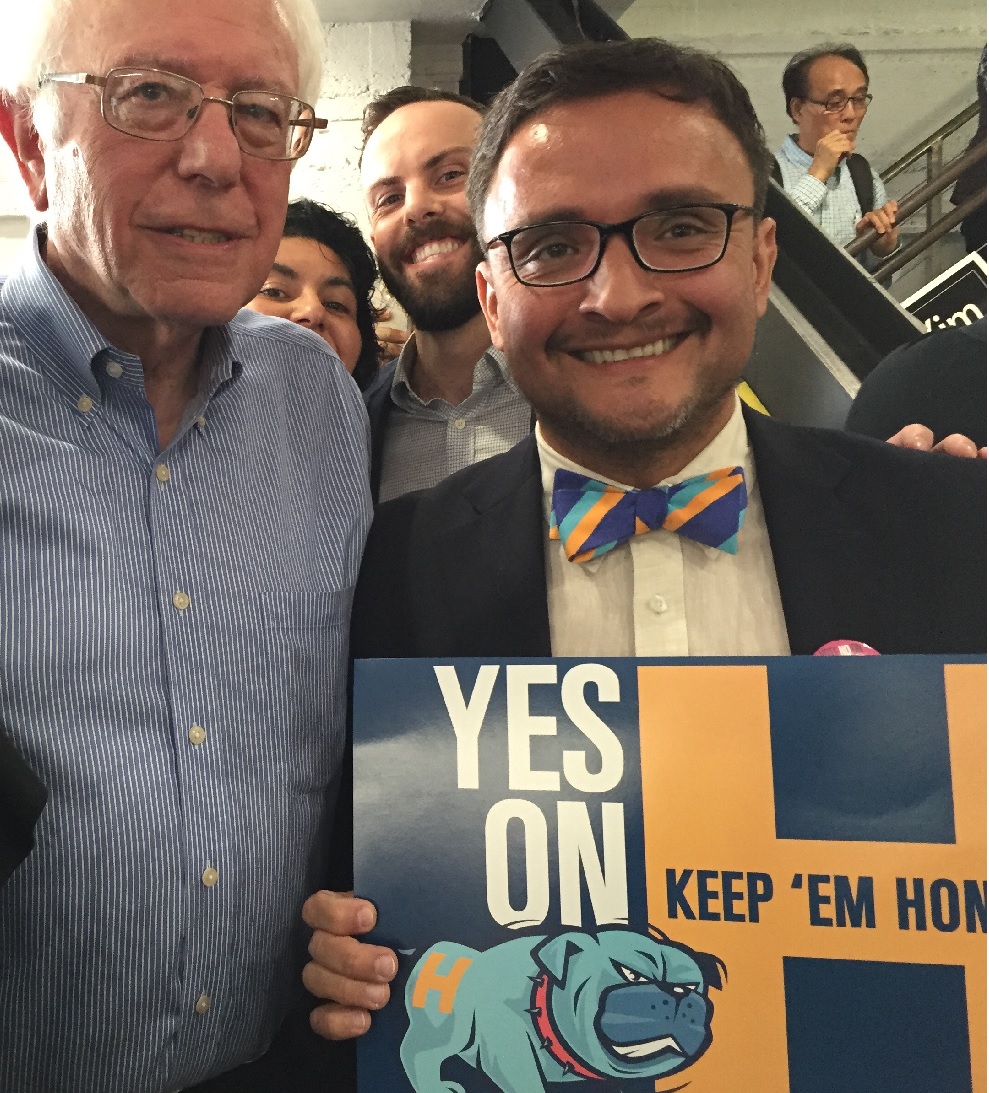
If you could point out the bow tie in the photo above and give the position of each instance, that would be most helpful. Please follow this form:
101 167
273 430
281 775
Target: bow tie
590 517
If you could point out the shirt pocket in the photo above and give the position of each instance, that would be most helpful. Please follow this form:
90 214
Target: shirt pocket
308 641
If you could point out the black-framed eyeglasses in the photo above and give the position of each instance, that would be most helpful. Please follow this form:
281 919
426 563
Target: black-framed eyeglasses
158 105
676 240
836 103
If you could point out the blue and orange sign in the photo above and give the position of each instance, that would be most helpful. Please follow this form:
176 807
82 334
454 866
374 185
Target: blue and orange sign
840 909
707 875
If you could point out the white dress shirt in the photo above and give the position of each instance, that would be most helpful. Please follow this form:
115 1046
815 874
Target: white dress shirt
660 594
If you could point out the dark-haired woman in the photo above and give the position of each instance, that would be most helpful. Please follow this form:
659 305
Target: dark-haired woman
323 278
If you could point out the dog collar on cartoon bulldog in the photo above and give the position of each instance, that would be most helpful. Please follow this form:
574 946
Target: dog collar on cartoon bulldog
547 1034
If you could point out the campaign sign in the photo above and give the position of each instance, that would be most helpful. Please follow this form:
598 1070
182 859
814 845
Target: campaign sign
725 876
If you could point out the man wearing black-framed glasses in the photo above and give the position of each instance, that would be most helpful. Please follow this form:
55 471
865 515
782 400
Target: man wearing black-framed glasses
617 189
826 90
184 500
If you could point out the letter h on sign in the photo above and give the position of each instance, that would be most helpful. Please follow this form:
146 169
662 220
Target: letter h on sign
709 816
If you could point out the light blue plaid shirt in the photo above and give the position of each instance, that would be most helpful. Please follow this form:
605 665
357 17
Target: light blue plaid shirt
833 205
173 647
426 442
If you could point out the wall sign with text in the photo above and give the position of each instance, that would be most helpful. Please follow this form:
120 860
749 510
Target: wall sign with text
956 298
714 875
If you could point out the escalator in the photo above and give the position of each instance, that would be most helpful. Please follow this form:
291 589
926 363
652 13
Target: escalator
828 324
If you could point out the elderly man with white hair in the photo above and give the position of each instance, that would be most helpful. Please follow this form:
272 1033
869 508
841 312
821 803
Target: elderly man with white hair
183 504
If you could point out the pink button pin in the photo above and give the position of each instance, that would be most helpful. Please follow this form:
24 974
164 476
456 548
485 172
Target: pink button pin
844 648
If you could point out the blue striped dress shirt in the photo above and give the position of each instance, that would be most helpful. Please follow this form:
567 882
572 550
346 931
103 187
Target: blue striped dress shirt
173 644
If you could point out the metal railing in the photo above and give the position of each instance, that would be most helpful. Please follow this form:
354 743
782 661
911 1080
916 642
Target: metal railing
942 227
922 195
926 194
932 148
936 138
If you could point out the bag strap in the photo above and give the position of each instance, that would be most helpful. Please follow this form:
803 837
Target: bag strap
861 172
858 168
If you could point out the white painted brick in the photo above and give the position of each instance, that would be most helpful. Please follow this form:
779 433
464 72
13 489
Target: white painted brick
362 61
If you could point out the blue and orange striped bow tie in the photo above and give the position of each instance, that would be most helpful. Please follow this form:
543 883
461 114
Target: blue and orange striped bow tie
590 517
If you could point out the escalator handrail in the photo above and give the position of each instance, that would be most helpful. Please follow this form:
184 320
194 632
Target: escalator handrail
907 254
919 197
914 154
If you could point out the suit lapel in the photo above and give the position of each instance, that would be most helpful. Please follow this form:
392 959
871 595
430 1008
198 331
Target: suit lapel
495 550
377 401
829 574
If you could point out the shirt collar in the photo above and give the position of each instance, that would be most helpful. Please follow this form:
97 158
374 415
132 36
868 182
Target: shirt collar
490 370
795 154
66 345
62 339
730 448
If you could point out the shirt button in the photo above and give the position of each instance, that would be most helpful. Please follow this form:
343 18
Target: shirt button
658 604
203 1003
85 404
162 473
115 369
180 601
197 734
460 423
210 876
201 422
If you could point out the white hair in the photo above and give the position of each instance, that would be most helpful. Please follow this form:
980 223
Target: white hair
31 44
35 34
305 30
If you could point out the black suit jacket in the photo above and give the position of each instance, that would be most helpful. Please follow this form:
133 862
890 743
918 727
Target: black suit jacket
870 542
22 799
938 379
377 401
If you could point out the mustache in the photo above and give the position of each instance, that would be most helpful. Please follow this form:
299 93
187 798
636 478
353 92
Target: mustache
440 228
607 335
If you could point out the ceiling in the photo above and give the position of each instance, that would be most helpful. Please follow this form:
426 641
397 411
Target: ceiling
463 12
418 11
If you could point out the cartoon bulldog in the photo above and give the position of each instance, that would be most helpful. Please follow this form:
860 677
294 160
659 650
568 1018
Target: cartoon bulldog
571 1007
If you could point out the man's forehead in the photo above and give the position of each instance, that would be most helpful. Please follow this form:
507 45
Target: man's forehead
834 73
413 137
566 116
242 40
667 171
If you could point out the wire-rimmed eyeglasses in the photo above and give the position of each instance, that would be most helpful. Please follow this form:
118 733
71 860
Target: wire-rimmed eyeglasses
564 252
158 105
834 104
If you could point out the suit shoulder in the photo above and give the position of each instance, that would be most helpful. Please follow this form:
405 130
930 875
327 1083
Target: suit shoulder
907 463
479 485
862 452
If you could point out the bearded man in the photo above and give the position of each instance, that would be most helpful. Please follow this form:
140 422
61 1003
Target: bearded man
448 401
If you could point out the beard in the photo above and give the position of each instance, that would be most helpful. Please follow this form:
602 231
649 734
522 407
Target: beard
438 301
621 450
617 441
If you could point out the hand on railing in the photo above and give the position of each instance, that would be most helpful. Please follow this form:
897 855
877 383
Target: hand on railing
886 233
921 195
